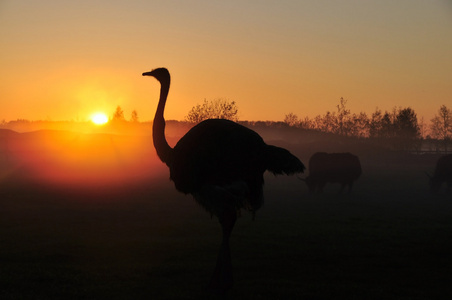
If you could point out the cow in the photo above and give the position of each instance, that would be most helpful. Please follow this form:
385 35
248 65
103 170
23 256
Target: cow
343 168
443 173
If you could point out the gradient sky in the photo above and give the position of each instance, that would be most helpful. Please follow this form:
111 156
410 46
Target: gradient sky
63 60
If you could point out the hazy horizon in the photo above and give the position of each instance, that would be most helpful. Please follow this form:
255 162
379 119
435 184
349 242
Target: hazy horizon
301 116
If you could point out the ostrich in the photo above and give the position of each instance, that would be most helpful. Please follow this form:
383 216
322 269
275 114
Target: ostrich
221 163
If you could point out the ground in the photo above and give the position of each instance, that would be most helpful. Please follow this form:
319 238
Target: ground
389 239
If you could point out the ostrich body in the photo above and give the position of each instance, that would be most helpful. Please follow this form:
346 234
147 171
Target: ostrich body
221 163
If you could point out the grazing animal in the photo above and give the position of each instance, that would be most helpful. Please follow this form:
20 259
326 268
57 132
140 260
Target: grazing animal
443 173
221 163
343 168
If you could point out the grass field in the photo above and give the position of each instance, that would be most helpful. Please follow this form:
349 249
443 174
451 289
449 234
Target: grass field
389 239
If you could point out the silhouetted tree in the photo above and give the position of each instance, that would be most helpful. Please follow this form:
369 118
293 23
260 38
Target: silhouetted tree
406 128
328 122
376 124
134 116
441 127
406 123
398 128
317 122
119 114
307 123
343 123
214 109
387 126
422 128
291 119
359 125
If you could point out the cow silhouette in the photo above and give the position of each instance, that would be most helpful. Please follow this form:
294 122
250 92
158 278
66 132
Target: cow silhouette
443 173
343 168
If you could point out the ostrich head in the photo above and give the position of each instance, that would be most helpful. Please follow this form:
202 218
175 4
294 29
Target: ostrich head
164 151
161 74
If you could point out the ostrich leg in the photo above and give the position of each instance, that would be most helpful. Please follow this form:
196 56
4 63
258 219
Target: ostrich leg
222 276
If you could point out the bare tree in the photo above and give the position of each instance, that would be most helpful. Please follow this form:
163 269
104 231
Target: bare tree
422 127
307 123
343 122
398 128
406 128
359 125
119 114
441 127
328 123
387 126
214 109
375 123
291 119
134 116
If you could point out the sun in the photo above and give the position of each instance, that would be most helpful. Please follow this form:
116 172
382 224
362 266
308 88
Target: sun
99 118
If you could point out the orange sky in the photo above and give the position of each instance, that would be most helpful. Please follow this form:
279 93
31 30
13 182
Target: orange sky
64 60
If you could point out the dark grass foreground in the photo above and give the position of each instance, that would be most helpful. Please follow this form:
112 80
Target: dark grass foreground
390 239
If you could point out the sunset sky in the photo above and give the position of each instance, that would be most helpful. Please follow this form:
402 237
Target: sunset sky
64 60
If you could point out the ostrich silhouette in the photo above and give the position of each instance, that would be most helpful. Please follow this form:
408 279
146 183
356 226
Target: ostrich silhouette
221 163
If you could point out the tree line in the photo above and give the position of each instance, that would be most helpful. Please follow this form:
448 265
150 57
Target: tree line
400 128
118 115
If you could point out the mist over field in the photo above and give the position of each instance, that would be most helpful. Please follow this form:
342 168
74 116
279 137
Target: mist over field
93 215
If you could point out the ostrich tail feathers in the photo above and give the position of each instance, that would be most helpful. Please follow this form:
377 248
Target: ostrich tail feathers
281 161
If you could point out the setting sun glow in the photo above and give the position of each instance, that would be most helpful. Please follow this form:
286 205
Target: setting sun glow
381 54
99 118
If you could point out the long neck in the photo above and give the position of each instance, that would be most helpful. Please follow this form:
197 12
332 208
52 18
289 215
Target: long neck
164 151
